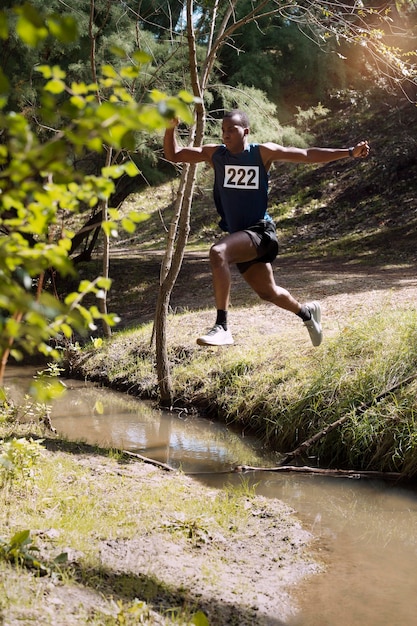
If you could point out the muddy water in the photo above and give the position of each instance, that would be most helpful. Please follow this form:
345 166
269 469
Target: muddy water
366 531
99 416
366 537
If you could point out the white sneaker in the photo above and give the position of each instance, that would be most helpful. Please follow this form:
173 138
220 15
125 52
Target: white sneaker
314 325
217 336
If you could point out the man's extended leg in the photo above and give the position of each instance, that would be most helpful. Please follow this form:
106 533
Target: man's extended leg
261 278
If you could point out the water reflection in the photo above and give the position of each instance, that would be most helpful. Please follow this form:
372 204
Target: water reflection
180 440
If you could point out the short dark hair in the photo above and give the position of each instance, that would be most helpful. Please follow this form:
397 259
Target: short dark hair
244 120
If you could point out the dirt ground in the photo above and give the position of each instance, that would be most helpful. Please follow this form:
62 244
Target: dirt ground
243 579
344 289
244 575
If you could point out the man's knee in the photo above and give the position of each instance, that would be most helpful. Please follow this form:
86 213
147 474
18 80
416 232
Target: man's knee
217 254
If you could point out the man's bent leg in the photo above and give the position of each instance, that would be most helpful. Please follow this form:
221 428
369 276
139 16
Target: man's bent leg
235 248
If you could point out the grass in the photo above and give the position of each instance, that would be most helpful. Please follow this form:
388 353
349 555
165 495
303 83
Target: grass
284 394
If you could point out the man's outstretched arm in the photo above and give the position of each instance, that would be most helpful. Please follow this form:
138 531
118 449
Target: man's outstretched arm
273 152
179 154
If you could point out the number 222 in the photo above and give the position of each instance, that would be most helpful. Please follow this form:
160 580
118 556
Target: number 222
243 177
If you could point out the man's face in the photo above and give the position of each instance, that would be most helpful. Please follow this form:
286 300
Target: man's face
234 134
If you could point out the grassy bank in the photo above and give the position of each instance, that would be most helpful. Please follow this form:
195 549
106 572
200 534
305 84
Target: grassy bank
285 391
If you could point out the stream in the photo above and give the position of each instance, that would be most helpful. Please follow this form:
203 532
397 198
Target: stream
366 530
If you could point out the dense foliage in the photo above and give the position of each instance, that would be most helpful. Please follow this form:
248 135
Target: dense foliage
40 186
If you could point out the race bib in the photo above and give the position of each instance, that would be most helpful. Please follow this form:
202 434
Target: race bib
241 176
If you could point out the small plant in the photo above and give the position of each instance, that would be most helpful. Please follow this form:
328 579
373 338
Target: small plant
193 528
46 385
137 613
18 458
21 551
97 342
196 619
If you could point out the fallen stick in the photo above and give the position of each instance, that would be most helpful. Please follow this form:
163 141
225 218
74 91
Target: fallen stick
146 459
324 472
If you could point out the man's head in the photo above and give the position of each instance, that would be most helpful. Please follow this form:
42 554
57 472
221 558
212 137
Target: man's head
237 114
235 129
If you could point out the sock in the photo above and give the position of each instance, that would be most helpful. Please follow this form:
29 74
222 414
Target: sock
304 313
221 318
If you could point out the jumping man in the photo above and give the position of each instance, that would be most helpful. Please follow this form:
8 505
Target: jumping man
241 197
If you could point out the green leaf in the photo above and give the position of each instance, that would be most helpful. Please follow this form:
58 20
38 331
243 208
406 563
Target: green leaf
114 214
118 52
138 217
21 538
67 330
186 97
78 102
130 72
46 389
128 225
200 619
61 558
55 86
109 71
141 57
131 169
157 96
112 171
110 229
80 89
29 31
103 282
58 72
98 407
45 70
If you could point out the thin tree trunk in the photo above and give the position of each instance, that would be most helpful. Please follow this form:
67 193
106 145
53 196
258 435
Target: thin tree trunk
171 267
179 231
106 255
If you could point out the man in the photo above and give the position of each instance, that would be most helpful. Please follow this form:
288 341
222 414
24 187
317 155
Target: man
241 197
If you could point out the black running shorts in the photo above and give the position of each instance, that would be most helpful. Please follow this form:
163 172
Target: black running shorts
264 237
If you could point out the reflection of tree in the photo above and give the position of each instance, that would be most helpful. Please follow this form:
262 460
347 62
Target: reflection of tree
131 424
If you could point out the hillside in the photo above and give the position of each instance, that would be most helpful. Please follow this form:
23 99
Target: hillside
341 215
365 211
